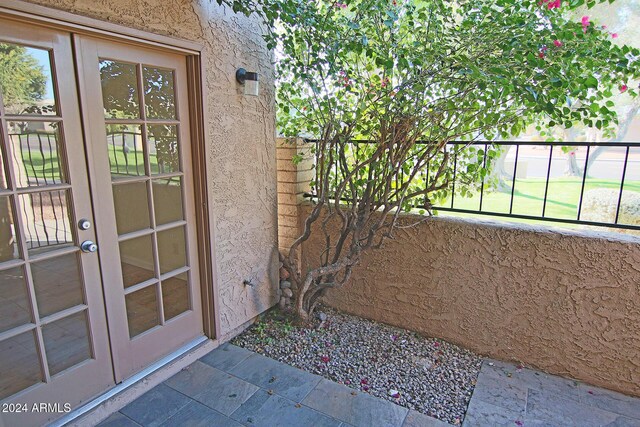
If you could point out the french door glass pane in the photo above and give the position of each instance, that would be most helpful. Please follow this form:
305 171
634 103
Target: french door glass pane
167 200
15 309
137 260
4 184
58 284
119 89
66 342
172 249
163 149
159 93
126 153
175 295
46 220
142 310
8 240
36 153
131 206
28 88
19 364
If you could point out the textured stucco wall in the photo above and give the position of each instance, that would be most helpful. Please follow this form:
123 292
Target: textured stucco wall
241 164
562 302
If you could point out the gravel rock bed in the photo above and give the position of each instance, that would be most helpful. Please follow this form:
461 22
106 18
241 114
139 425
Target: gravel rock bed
425 374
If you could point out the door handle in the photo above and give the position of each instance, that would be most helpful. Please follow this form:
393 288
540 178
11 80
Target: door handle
88 246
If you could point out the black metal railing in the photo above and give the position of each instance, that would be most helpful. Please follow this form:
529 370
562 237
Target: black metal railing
38 163
585 183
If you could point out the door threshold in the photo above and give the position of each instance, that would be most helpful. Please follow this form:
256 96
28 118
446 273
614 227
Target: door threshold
115 398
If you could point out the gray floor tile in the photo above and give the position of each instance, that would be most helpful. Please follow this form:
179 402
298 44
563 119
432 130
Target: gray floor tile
610 401
533 379
155 406
624 422
285 380
358 409
226 357
501 390
118 420
197 415
212 387
416 419
556 409
483 414
265 410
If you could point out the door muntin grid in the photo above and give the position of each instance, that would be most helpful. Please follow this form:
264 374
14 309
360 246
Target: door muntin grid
142 140
44 331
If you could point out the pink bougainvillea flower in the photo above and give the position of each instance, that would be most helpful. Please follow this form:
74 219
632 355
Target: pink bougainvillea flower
340 5
541 55
585 23
365 388
614 35
325 359
364 381
557 43
555 4
347 382
394 337
623 88
436 344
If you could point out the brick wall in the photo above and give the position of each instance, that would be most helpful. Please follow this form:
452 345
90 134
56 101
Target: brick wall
293 182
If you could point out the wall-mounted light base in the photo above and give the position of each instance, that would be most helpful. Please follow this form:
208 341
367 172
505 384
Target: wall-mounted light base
249 80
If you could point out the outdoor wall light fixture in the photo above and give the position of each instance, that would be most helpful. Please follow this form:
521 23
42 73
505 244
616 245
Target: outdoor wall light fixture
249 80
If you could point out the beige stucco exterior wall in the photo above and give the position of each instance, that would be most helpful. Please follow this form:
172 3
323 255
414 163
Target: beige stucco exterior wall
241 162
564 302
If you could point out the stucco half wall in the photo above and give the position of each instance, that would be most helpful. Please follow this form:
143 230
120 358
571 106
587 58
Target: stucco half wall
241 160
564 302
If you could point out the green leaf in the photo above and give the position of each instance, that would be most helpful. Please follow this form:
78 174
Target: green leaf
591 82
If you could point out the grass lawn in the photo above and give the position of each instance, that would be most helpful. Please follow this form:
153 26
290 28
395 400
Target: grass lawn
528 199
45 167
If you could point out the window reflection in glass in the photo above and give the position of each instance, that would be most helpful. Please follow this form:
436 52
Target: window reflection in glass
8 236
159 95
36 153
126 154
164 156
25 80
46 219
119 90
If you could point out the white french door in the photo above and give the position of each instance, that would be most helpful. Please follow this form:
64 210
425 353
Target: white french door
139 145
99 272
53 333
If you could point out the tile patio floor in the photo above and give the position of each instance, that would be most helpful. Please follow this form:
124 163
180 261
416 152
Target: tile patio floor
234 387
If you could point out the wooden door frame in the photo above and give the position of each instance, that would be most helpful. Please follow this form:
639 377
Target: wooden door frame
195 56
